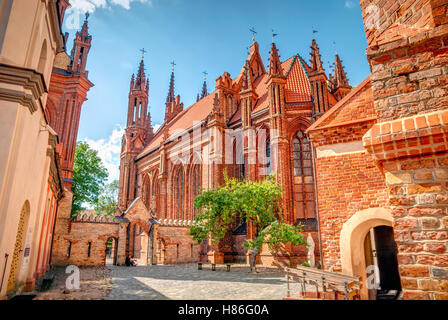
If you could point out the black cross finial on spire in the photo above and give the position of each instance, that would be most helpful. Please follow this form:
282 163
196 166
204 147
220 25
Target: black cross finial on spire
314 31
334 46
252 30
273 35
87 15
143 51
205 75
172 65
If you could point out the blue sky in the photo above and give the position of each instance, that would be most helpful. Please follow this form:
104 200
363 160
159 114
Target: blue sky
199 35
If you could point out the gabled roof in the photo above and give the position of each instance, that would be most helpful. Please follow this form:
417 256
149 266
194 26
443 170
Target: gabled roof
183 121
254 56
297 90
357 106
297 87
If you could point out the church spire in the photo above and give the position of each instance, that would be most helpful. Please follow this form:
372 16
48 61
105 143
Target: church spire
316 60
85 26
141 77
275 68
247 77
338 81
204 92
81 47
340 77
138 111
170 97
173 104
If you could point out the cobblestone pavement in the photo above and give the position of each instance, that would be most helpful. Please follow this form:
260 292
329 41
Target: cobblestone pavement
95 284
187 282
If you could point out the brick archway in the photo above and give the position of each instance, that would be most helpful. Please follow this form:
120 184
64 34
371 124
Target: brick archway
353 234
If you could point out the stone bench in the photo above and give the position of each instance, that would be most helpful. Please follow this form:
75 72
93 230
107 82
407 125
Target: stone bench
213 265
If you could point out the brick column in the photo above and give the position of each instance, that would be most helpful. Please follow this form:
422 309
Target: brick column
121 250
408 55
163 198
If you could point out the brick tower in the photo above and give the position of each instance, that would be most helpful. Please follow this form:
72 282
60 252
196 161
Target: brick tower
137 134
407 51
69 85
173 104
339 85
318 81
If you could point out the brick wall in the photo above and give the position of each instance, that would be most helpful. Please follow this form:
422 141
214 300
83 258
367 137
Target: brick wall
408 54
80 235
418 194
359 185
174 245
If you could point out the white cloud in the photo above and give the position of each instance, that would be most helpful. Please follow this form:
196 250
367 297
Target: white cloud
126 3
349 4
91 5
109 151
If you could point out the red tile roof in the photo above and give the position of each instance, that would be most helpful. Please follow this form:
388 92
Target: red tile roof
297 90
183 121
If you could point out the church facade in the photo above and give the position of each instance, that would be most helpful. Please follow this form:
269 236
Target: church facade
251 125
42 90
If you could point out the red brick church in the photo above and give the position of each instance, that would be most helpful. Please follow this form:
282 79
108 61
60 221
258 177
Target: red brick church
364 169
194 146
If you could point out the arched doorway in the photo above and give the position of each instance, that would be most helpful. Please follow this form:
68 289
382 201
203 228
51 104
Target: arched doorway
367 244
19 244
111 251
380 251
140 245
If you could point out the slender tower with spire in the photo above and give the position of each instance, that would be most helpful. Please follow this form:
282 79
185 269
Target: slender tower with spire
278 124
81 47
204 92
172 104
339 82
68 89
138 133
318 81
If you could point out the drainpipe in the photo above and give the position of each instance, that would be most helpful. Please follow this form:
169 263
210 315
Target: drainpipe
313 156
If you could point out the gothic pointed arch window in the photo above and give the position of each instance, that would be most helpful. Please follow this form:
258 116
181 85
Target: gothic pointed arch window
156 196
268 156
179 193
196 184
238 156
264 153
146 192
304 200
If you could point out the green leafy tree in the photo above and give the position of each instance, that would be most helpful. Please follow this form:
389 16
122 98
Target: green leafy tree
244 201
107 201
89 175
